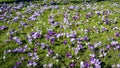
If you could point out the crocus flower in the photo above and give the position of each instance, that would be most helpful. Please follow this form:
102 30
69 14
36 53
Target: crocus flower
50 52
30 54
35 50
3 27
97 66
118 65
15 18
86 38
69 55
91 46
65 42
117 34
114 43
52 40
36 35
50 65
71 7
86 64
118 46
34 63
76 17
29 63
108 47
42 45
72 64
17 40
18 63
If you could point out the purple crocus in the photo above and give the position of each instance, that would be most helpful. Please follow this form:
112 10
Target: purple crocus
86 38
16 39
108 47
118 65
51 33
86 64
36 35
97 66
43 45
30 54
18 63
69 55
52 40
72 64
117 34
76 17
15 18
90 46
93 60
50 52
118 46
29 63
114 43
35 49
3 27
71 7
34 63
65 42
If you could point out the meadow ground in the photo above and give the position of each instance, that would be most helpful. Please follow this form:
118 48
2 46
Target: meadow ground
60 36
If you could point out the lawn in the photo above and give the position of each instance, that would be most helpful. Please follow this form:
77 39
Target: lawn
69 35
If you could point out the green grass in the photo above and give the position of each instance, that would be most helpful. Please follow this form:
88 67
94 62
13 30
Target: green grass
60 48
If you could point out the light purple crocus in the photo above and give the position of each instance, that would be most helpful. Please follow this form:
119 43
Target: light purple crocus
3 27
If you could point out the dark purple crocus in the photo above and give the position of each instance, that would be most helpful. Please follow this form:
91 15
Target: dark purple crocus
86 64
65 42
32 33
117 34
52 40
86 38
69 55
15 66
51 21
35 49
107 21
51 33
